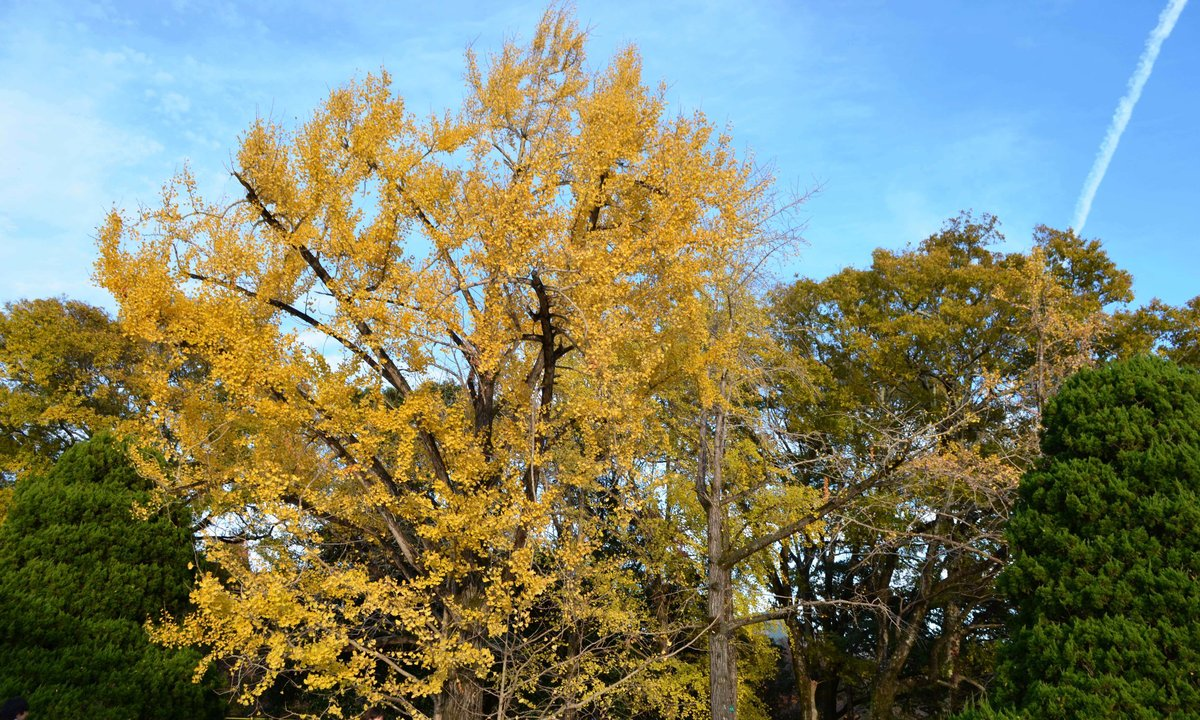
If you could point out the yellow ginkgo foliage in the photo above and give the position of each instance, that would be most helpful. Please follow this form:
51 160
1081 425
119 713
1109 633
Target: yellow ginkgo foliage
409 378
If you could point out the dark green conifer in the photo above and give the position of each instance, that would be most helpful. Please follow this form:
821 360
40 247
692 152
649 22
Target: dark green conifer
79 577
1106 539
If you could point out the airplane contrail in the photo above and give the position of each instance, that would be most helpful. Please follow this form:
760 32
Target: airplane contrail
1166 23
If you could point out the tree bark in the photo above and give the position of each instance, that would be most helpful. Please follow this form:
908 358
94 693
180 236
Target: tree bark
883 696
816 685
722 658
461 698
887 678
806 686
825 694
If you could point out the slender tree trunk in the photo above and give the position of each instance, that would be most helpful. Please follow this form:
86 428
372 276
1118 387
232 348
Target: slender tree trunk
575 645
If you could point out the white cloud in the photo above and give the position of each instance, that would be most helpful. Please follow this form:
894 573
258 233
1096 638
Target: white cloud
123 56
61 172
174 105
59 153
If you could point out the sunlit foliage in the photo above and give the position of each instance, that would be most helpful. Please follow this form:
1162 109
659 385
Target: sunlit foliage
434 352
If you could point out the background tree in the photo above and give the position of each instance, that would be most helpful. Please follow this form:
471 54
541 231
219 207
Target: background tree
927 374
1106 563
741 498
79 576
1173 332
66 372
1182 332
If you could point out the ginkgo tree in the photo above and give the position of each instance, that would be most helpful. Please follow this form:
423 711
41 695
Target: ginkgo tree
435 350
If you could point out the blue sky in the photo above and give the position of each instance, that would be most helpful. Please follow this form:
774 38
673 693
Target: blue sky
904 113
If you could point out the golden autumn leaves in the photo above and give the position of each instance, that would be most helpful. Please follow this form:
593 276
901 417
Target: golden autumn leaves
414 378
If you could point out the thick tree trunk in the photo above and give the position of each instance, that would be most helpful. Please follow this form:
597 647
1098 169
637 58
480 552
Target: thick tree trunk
816 688
826 696
883 697
722 659
953 628
887 678
462 693
809 709
806 686
892 658
461 699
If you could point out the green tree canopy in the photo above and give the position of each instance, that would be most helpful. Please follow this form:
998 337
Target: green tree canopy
928 370
66 372
79 576
1106 568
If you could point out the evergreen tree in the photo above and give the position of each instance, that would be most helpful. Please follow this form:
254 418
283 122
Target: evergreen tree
79 576
1106 569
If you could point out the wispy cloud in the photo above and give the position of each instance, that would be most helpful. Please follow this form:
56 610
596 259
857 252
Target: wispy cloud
1166 23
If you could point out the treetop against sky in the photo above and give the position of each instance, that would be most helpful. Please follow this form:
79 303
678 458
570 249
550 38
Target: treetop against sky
902 115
